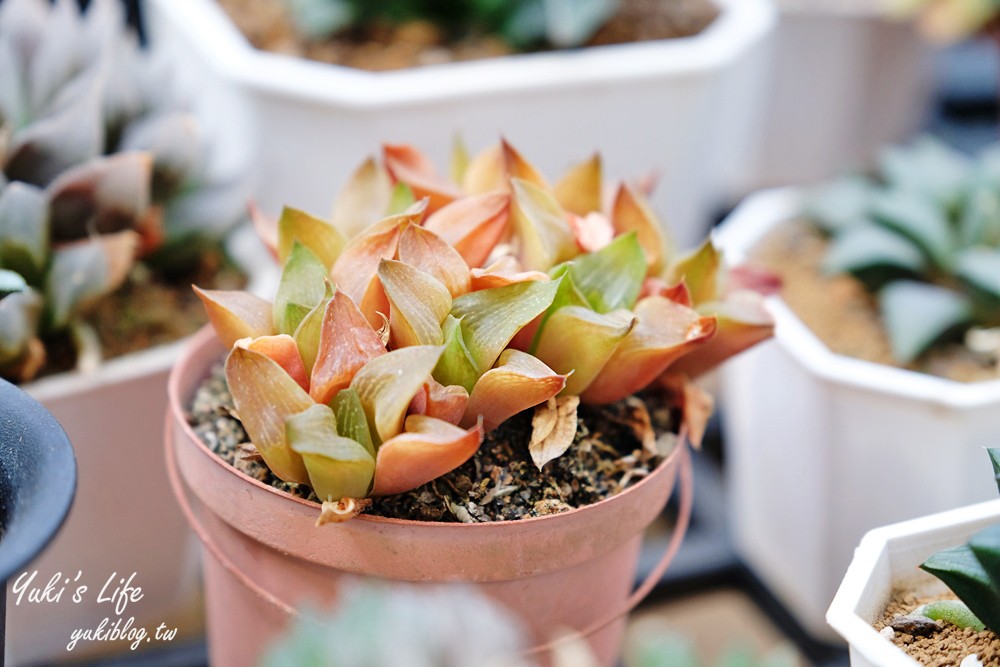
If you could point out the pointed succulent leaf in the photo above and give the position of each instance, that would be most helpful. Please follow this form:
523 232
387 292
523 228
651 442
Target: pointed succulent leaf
418 304
918 219
927 166
235 315
665 332
307 335
579 191
456 366
321 237
401 199
407 165
519 168
699 270
446 403
963 573
486 172
347 342
632 213
86 270
867 246
951 611
20 314
473 225
426 251
427 449
840 205
363 200
283 350
612 277
980 218
338 467
980 268
986 546
580 341
388 383
677 292
174 141
24 229
302 287
918 314
458 163
491 318
104 195
741 321
540 225
265 397
995 460
504 271
351 420
517 382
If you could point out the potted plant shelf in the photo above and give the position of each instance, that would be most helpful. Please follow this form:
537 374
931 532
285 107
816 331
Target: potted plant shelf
683 108
887 561
415 405
823 447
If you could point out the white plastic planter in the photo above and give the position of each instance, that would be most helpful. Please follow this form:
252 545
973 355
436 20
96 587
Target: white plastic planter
845 80
124 518
686 108
888 559
823 448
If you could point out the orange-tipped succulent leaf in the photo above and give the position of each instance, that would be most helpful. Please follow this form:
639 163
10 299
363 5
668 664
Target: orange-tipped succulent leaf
347 342
519 168
363 200
592 231
387 384
518 381
338 467
427 449
540 225
418 304
664 333
283 350
318 235
473 225
265 397
742 323
441 402
699 270
504 271
656 286
266 228
579 190
236 314
486 172
631 213
425 250
406 164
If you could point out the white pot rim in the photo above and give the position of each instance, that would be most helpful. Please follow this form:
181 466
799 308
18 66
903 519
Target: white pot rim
743 228
740 24
842 614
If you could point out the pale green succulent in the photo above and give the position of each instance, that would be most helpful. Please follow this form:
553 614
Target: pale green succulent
924 236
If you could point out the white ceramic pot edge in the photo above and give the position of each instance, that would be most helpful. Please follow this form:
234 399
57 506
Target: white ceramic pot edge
929 534
748 223
740 23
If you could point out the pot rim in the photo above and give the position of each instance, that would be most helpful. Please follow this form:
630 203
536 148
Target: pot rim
740 24
747 224
206 336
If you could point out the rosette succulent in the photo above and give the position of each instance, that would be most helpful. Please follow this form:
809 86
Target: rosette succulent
924 236
98 165
431 309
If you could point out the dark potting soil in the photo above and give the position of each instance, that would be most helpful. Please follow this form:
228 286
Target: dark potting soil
499 483
267 24
945 646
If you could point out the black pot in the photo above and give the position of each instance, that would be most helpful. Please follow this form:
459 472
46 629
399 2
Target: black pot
37 482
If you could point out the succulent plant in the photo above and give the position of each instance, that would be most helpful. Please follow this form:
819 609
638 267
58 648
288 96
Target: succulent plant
924 236
393 344
947 20
522 23
98 165
971 571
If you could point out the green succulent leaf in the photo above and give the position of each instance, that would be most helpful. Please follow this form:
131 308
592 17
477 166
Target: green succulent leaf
918 314
965 574
307 335
866 246
302 288
456 367
338 467
980 217
20 313
11 282
927 167
351 420
83 271
401 199
917 218
24 229
611 278
950 611
995 460
322 238
572 22
840 205
699 271
980 268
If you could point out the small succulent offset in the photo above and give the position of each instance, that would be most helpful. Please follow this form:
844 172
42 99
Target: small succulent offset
971 571
98 165
947 20
393 343
924 236
521 23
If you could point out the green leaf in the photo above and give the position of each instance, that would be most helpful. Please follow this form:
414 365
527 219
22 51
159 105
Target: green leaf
979 222
950 611
867 246
322 238
338 467
917 218
310 329
840 205
980 268
699 270
11 283
351 420
302 288
84 271
579 341
961 570
24 229
456 367
986 546
928 167
918 314
611 278
995 460
401 199
491 318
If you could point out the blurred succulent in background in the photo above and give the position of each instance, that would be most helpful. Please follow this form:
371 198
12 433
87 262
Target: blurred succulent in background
947 20
521 23
393 343
98 165
924 236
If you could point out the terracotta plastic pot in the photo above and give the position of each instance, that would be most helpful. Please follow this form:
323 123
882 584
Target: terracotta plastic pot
266 558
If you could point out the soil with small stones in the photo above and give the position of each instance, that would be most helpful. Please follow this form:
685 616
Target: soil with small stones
499 483
946 647
267 25
149 309
841 312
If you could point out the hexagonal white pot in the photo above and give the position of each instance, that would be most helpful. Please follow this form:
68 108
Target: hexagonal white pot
687 108
124 518
887 559
845 80
822 448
